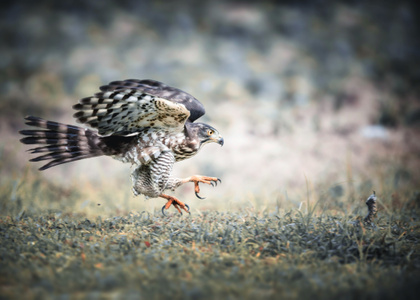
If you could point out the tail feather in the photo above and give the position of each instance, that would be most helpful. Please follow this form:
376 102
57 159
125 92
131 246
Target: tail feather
60 143
57 155
60 161
54 126
56 148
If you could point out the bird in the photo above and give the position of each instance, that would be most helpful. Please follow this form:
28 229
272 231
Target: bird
143 122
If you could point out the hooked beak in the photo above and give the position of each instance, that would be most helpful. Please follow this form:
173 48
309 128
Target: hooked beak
221 141
218 140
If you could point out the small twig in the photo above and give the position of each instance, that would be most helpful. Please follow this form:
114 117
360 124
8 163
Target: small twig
372 208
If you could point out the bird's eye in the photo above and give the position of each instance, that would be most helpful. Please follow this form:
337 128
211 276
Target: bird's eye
210 132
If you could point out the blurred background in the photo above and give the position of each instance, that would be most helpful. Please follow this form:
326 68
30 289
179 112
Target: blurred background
316 100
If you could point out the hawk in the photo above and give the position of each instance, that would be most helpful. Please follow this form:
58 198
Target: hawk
143 122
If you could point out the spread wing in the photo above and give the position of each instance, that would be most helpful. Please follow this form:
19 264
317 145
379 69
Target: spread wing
124 107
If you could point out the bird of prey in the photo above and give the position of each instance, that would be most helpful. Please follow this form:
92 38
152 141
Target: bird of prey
143 122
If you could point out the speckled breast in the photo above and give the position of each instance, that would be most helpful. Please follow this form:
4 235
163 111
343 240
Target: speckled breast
151 144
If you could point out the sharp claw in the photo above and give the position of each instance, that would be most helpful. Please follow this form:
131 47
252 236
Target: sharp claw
198 197
212 183
177 206
163 209
219 180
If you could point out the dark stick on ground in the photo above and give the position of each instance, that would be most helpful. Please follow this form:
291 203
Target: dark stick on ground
372 208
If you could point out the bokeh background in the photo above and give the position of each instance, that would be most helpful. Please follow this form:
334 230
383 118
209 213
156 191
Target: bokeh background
316 100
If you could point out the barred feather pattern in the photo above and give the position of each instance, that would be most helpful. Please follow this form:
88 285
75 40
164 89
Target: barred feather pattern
152 179
160 90
154 156
152 143
129 111
60 143
152 151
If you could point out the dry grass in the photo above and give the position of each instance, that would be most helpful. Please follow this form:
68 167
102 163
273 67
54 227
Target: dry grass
294 89
55 244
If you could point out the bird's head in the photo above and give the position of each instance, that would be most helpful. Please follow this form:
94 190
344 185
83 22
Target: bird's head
207 134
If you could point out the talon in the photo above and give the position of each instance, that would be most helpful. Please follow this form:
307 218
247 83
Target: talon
188 208
198 197
196 179
175 202
176 205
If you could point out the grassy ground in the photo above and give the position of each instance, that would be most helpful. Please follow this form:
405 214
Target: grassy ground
46 252
318 104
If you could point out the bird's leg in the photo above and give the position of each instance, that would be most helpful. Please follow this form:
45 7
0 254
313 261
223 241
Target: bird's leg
203 179
175 202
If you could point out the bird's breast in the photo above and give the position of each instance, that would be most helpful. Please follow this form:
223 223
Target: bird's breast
152 144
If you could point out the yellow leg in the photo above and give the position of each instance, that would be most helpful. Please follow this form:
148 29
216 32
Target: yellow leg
175 202
203 179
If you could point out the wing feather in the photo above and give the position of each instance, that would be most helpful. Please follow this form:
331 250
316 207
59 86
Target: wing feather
128 110
160 90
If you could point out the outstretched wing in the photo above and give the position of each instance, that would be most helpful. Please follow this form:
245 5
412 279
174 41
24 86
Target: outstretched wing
125 107
161 90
